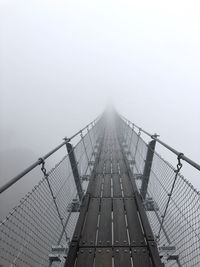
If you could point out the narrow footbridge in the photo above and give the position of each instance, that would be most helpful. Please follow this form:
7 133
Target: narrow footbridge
111 201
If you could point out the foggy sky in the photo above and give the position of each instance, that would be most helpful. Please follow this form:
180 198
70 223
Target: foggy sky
62 62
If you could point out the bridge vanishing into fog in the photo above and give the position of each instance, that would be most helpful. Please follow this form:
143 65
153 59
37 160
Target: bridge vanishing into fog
111 201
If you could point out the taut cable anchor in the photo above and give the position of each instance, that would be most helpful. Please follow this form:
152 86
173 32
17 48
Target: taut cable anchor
179 166
43 169
155 136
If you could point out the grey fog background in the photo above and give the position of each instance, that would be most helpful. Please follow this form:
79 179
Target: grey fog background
62 62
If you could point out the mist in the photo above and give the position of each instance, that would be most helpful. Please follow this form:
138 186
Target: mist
62 62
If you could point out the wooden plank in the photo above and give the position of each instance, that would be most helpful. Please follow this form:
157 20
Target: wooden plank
107 155
141 257
100 166
103 257
127 186
115 166
119 223
134 226
85 257
122 257
122 166
105 223
107 186
96 187
89 231
117 191
120 155
108 166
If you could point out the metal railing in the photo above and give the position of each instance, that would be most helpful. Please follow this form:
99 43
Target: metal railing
155 137
172 203
45 218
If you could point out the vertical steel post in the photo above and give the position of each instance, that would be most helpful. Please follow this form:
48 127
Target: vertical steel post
76 175
132 130
147 168
90 139
135 152
82 138
127 128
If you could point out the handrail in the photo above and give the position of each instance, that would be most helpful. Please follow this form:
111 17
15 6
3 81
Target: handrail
155 137
40 160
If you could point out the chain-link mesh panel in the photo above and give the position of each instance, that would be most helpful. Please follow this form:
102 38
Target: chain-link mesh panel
46 217
178 232
180 227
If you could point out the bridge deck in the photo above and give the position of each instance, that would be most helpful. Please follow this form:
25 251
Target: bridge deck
110 231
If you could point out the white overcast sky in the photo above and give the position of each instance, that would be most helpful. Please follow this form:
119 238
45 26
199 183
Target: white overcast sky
62 61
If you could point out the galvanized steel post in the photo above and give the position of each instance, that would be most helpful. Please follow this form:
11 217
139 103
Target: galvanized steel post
147 168
75 171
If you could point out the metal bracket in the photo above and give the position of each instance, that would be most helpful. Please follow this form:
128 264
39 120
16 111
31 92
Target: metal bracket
138 176
74 206
59 253
91 163
150 204
167 249
167 254
85 177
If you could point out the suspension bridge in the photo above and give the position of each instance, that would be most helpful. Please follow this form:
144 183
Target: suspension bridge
110 201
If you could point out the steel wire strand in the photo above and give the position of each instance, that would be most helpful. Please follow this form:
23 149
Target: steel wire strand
32 227
182 222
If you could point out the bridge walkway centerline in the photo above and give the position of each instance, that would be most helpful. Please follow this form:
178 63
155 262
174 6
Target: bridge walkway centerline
109 231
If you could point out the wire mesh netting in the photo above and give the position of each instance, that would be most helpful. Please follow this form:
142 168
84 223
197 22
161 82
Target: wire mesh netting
45 216
172 206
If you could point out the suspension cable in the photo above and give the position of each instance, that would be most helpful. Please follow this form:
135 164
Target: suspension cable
38 162
179 166
155 137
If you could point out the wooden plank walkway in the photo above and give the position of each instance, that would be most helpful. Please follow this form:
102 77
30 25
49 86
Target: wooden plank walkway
112 230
